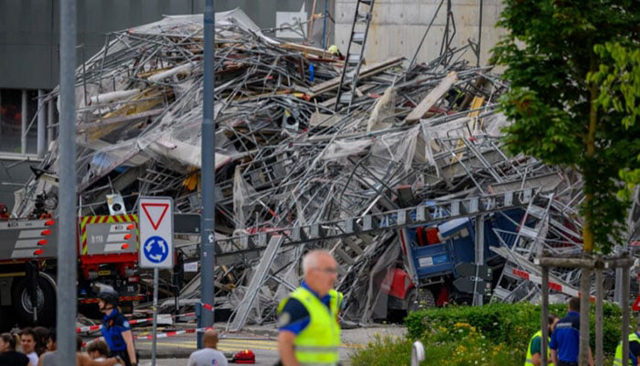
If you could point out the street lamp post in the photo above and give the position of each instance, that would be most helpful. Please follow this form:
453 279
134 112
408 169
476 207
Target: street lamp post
67 250
208 175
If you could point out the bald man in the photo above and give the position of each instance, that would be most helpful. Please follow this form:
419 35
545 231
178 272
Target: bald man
208 356
308 329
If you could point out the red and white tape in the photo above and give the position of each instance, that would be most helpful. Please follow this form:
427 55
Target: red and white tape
92 328
159 335
89 328
174 333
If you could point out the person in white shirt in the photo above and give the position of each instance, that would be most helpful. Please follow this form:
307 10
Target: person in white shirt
208 356
28 343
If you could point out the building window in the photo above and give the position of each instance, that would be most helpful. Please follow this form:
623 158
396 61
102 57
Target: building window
11 124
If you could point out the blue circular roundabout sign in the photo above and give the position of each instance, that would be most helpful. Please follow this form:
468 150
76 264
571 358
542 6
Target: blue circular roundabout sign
156 249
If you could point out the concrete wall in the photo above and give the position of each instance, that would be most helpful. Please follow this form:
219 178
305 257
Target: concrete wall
398 27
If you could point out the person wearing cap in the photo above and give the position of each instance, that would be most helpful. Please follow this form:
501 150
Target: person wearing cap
308 328
116 330
335 52
634 349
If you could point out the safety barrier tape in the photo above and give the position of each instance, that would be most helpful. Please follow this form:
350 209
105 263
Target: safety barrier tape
174 333
95 300
92 328
159 335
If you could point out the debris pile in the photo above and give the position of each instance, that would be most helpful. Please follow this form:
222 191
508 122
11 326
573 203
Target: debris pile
399 184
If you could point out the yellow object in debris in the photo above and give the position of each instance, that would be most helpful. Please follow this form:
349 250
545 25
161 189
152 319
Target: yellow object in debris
191 181
334 50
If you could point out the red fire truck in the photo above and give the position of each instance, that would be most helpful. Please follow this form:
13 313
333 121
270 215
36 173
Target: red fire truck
107 254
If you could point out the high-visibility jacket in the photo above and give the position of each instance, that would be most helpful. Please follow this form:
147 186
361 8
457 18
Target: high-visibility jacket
617 360
318 343
529 360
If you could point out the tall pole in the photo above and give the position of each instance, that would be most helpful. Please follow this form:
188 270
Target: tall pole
23 123
50 122
625 315
208 175
599 315
479 33
585 304
478 294
155 316
324 24
544 321
67 250
42 128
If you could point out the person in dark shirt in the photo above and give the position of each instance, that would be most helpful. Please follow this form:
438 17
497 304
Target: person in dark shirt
8 354
565 340
634 349
116 330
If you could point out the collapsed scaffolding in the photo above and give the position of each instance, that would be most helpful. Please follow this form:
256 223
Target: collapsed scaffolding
361 163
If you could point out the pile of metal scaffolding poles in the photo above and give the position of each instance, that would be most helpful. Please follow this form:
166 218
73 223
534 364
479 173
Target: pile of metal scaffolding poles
293 173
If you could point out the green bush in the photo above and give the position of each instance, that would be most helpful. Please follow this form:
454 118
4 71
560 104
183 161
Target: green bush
458 344
494 334
384 351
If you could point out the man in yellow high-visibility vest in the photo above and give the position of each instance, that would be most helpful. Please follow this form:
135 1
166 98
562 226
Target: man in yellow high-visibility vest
309 333
534 355
634 349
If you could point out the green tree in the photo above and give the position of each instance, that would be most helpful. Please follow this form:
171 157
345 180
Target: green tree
556 107
619 80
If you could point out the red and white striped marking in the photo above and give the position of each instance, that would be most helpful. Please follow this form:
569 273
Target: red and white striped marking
95 300
159 335
174 333
552 285
92 328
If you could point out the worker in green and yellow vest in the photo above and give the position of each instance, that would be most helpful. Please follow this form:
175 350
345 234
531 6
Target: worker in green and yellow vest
534 356
634 349
308 329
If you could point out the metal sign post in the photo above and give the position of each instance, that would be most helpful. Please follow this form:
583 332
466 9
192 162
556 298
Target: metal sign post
208 173
156 246
154 345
